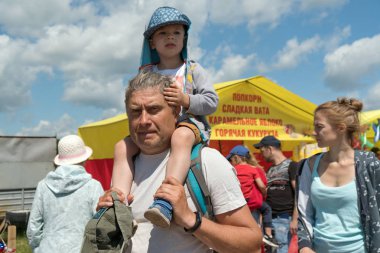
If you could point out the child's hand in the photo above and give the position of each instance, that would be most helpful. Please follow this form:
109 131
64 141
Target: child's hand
175 96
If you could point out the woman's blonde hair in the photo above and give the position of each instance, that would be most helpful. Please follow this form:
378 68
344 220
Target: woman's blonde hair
343 111
251 160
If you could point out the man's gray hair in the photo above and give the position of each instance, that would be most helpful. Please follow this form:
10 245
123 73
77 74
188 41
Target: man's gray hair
145 80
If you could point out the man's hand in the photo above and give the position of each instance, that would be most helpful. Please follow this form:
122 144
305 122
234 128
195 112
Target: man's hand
175 96
293 226
106 199
173 191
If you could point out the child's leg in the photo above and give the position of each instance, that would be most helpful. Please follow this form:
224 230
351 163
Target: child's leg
268 238
161 211
182 142
123 169
266 212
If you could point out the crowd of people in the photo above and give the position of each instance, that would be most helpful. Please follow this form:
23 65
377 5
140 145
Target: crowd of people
328 201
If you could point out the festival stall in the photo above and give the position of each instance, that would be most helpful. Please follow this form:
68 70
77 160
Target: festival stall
248 110
370 129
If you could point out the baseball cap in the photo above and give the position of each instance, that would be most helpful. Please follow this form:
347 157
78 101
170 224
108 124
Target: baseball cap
269 140
110 229
239 150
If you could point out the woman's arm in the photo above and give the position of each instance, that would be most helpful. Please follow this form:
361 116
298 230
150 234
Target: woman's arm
305 208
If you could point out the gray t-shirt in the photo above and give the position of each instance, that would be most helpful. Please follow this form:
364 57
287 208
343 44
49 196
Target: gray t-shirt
150 170
280 194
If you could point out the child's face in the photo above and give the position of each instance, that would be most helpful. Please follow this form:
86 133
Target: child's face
168 41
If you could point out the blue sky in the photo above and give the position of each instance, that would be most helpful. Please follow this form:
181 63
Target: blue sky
66 63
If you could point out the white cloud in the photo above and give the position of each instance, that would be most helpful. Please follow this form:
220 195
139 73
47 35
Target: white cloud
102 53
347 66
100 50
29 18
321 4
372 100
111 113
87 91
294 52
252 12
63 126
232 67
16 74
332 42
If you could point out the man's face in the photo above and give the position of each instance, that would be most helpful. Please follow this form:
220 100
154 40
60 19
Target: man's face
266 152
151 120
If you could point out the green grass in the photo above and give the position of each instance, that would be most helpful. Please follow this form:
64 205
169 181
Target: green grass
22 245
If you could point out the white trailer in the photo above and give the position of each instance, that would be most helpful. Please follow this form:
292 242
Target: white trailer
24 161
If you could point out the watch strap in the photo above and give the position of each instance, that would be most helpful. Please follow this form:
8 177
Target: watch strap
198 222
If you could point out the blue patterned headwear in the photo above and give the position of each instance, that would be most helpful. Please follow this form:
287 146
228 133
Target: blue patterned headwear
161 17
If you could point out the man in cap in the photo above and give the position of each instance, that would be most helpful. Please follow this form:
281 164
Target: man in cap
281 178
151 122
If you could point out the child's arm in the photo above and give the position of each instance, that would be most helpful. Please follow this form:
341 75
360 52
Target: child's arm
204 101
175 96
260 184
122 173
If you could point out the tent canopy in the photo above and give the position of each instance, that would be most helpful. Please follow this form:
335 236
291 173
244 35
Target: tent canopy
367 118
252 108
248 110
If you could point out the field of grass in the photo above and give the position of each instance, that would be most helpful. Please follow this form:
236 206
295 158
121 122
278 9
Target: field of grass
22 245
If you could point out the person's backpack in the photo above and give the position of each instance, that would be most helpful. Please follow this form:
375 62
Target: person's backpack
196 183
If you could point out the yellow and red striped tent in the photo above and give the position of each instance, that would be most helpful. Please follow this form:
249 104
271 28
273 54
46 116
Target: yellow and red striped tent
248 110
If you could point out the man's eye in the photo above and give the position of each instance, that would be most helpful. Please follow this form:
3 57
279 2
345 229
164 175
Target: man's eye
135 112
154 110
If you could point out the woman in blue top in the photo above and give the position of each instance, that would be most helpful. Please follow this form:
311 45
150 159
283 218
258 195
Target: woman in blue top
338 191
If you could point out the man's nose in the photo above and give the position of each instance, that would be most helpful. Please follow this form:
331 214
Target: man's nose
144 118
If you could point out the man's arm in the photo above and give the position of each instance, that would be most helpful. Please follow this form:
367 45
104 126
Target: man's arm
233 231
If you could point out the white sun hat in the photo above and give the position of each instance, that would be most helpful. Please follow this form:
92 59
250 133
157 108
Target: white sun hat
71 150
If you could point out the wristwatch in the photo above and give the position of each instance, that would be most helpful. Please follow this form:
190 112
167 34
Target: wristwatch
198 222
